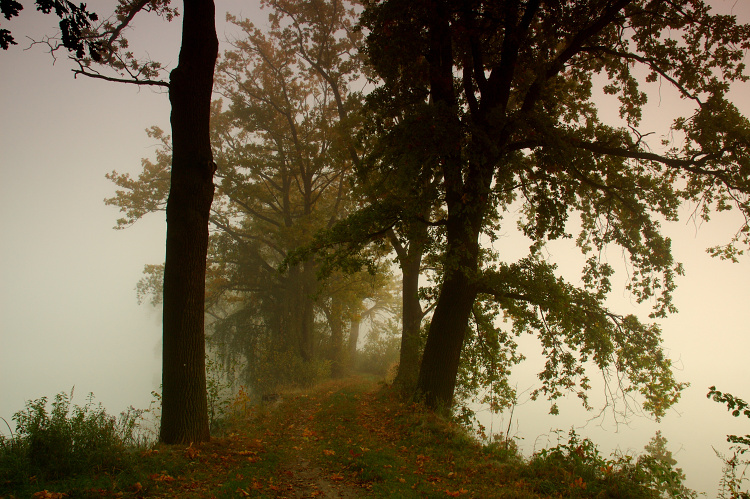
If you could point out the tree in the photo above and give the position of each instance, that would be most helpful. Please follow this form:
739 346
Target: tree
184 406
282 143
506 89
184 403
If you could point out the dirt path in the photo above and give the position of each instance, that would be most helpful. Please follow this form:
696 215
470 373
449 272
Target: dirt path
272 451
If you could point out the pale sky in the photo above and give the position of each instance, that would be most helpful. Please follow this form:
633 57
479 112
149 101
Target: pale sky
68 311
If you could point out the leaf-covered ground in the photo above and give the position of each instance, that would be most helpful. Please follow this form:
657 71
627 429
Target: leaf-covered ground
347 439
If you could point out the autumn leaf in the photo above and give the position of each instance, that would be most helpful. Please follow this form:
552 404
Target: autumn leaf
328 452
191 452
337 477
457 493
578 483
46 494
161 478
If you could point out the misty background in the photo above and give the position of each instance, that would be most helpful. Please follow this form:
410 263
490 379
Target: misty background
68 310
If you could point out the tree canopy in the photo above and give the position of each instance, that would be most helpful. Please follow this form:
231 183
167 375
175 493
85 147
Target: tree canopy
284 164
484 117
498 100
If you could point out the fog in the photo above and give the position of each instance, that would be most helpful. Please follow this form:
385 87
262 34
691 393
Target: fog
68 311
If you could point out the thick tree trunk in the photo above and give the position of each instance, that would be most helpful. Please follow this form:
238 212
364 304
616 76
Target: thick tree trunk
184 407
442 352
467 187
297 310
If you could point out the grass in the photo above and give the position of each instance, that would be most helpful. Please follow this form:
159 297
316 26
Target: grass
351 438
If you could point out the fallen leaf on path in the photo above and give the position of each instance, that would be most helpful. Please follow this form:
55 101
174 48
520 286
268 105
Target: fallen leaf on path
328 452
46 494
456 493
191 452
161 478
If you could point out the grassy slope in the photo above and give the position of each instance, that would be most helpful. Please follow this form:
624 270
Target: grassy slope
347 438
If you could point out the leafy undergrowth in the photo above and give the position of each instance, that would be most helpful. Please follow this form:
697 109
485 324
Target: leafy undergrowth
349 439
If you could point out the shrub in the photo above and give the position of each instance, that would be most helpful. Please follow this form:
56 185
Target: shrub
279 370
65 441
577 464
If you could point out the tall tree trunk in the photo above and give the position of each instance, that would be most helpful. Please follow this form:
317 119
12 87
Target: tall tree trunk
307 311
353 339
445 338
184 407
408 367
337 338
467 184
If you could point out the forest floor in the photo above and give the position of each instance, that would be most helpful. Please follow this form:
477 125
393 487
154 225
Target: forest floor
349 438
344 439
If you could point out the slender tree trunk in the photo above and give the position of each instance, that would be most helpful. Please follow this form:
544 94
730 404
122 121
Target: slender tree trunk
184 406
337 339
307 312
353 339
408 368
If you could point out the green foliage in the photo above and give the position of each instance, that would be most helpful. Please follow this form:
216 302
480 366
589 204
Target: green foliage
220 384
737 407
578 463
381 348
67 441
279 370
493 108
735 467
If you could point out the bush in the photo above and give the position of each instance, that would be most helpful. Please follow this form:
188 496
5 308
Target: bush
65 442
577 464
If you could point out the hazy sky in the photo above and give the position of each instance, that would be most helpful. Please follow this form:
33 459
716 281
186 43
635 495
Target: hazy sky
68 311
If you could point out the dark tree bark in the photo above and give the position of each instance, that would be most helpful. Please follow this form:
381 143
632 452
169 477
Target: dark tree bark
465 197
442 352
184 406
336 324
412 314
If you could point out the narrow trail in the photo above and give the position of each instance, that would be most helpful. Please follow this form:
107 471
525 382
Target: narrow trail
287 461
